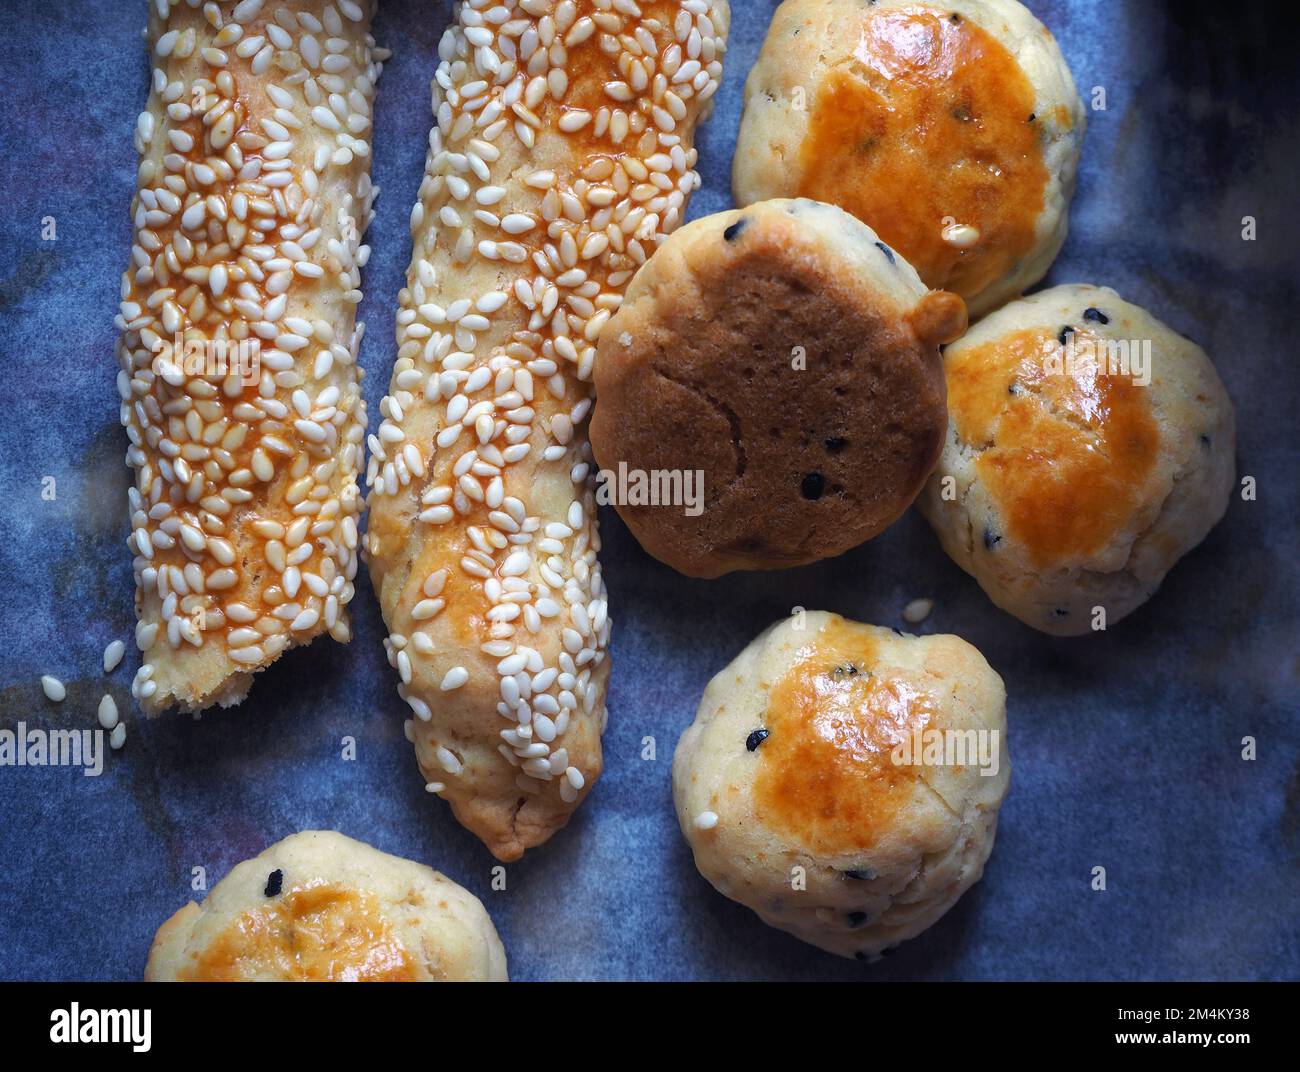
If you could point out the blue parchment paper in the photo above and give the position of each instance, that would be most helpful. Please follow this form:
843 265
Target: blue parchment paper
1126 747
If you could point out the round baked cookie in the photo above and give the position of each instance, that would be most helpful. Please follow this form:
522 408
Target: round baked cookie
770 392
320 907
1089 448
953 129
799 791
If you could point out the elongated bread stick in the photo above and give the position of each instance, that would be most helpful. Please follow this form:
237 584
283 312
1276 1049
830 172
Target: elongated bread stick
561 158
238 348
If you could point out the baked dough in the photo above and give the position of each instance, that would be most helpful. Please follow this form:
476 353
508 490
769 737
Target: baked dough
561 158
781 365
1066 487
320 907
789 791
953 129
253 193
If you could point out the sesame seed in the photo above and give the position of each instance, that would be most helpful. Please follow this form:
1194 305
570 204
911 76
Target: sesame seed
705 820
53 688
117 736
113 655
454 678
917 611
516 223
107 713
961 235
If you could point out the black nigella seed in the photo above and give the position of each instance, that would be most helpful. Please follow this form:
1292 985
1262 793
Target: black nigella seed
1061 612
1205 439
1066 332
857 919
755 739
991 539
813 485
847 670
731 232
1032 117
889 253
835 444
1015 389
274 881
862 874
956 17
1096 315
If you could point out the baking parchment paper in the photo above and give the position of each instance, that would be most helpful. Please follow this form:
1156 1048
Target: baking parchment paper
1126 747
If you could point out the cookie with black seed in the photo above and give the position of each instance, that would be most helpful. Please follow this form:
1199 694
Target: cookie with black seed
1090 446
321 907
771 391
844 782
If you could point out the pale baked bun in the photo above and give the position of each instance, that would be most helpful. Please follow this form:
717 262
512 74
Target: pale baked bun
320 907
786 361
1067 488
921 118
792 799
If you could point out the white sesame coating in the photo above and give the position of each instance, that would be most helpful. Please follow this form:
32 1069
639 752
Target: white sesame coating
239 385
117 737
53 688
561 157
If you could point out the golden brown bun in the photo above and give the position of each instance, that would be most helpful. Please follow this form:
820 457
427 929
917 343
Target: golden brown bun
792 359
953 129
1090 446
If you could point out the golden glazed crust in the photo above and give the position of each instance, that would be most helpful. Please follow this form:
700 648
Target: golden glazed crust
954 130
789 360
321 907
551 177
254 191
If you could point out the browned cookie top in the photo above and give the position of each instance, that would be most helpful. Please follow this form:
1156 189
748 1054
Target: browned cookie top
791 359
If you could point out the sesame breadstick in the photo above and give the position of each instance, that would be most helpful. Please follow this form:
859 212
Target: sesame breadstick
238 350
561 157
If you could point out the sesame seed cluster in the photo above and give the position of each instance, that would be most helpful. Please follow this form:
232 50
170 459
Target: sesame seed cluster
560 159
253 194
